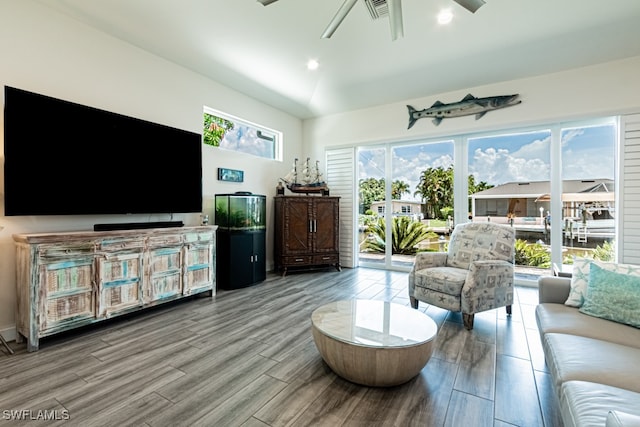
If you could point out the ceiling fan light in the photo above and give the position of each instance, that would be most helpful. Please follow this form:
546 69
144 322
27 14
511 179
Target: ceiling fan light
445 17
266 2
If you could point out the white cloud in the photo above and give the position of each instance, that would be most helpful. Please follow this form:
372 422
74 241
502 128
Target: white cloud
538 150
371 163
587 157
245 139
570 135
498 166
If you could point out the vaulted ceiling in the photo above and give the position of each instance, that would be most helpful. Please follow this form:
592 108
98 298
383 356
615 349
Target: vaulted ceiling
262 51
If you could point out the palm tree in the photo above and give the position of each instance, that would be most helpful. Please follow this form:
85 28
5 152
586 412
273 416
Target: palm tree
373 190
215 128
398 188
436 189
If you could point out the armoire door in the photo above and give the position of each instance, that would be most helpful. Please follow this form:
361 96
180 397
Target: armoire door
296 226
325 225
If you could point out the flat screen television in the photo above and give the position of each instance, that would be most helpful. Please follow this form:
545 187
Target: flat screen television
63 158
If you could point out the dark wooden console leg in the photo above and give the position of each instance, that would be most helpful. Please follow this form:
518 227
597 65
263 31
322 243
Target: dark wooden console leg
204 294
508 310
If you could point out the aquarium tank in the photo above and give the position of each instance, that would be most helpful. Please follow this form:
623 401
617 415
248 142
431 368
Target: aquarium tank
241 211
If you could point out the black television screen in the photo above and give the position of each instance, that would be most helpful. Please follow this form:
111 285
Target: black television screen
63 158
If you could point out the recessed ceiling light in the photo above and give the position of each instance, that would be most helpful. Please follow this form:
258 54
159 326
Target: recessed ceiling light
313 64
445 16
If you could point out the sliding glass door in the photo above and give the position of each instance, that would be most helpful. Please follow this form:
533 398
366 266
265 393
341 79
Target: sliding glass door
406 201
514 171
372 193
554 184
588 193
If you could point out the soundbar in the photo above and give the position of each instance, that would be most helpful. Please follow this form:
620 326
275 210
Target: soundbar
136 225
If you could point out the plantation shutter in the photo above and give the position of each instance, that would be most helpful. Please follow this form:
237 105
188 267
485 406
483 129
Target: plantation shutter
340 178
629 200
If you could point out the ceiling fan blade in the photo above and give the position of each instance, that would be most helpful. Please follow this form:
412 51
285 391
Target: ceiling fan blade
337 20
395 18
266 2
470 5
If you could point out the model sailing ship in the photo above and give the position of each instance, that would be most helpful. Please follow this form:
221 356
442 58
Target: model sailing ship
308 180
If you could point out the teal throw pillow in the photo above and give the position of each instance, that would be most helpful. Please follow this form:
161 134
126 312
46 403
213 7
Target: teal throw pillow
612 296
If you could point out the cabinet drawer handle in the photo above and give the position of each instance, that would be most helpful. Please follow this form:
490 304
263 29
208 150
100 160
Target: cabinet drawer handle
299 259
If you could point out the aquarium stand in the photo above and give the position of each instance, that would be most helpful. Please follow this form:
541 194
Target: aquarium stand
241 239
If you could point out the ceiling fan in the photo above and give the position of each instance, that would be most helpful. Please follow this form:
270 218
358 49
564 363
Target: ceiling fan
379 9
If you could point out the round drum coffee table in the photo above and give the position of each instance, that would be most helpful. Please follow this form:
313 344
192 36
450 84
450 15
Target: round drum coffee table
373 343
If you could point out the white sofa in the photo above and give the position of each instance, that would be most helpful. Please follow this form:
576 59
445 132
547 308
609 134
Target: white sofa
594 363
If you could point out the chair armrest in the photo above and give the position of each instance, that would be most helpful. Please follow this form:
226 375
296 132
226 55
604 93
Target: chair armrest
622 419
429 259
480 269
489 285
553 289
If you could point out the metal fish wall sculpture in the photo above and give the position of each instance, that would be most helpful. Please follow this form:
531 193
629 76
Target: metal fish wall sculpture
470 105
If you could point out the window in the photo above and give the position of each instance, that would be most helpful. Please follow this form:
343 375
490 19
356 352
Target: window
415 183
554 184
511 173
231 133
588 192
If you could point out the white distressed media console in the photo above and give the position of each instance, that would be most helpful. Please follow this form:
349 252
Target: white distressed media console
68 280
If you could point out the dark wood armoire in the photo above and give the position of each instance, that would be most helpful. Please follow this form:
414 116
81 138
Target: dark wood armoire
306 232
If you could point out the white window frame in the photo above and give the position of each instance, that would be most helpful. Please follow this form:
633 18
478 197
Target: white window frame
460 151
277 148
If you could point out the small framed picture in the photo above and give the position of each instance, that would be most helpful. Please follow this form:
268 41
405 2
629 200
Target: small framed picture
231 175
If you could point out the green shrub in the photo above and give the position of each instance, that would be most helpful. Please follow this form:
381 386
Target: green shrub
605 253
532 254
446 212
406 234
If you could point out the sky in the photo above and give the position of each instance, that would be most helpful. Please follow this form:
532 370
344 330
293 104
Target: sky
245 139
587 153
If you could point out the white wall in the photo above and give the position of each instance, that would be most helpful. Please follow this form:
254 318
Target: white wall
605 89
586 93
44 52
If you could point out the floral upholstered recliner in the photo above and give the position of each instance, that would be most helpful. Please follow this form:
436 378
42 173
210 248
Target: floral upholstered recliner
474 275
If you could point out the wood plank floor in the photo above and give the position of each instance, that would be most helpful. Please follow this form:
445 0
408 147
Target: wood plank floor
246 358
